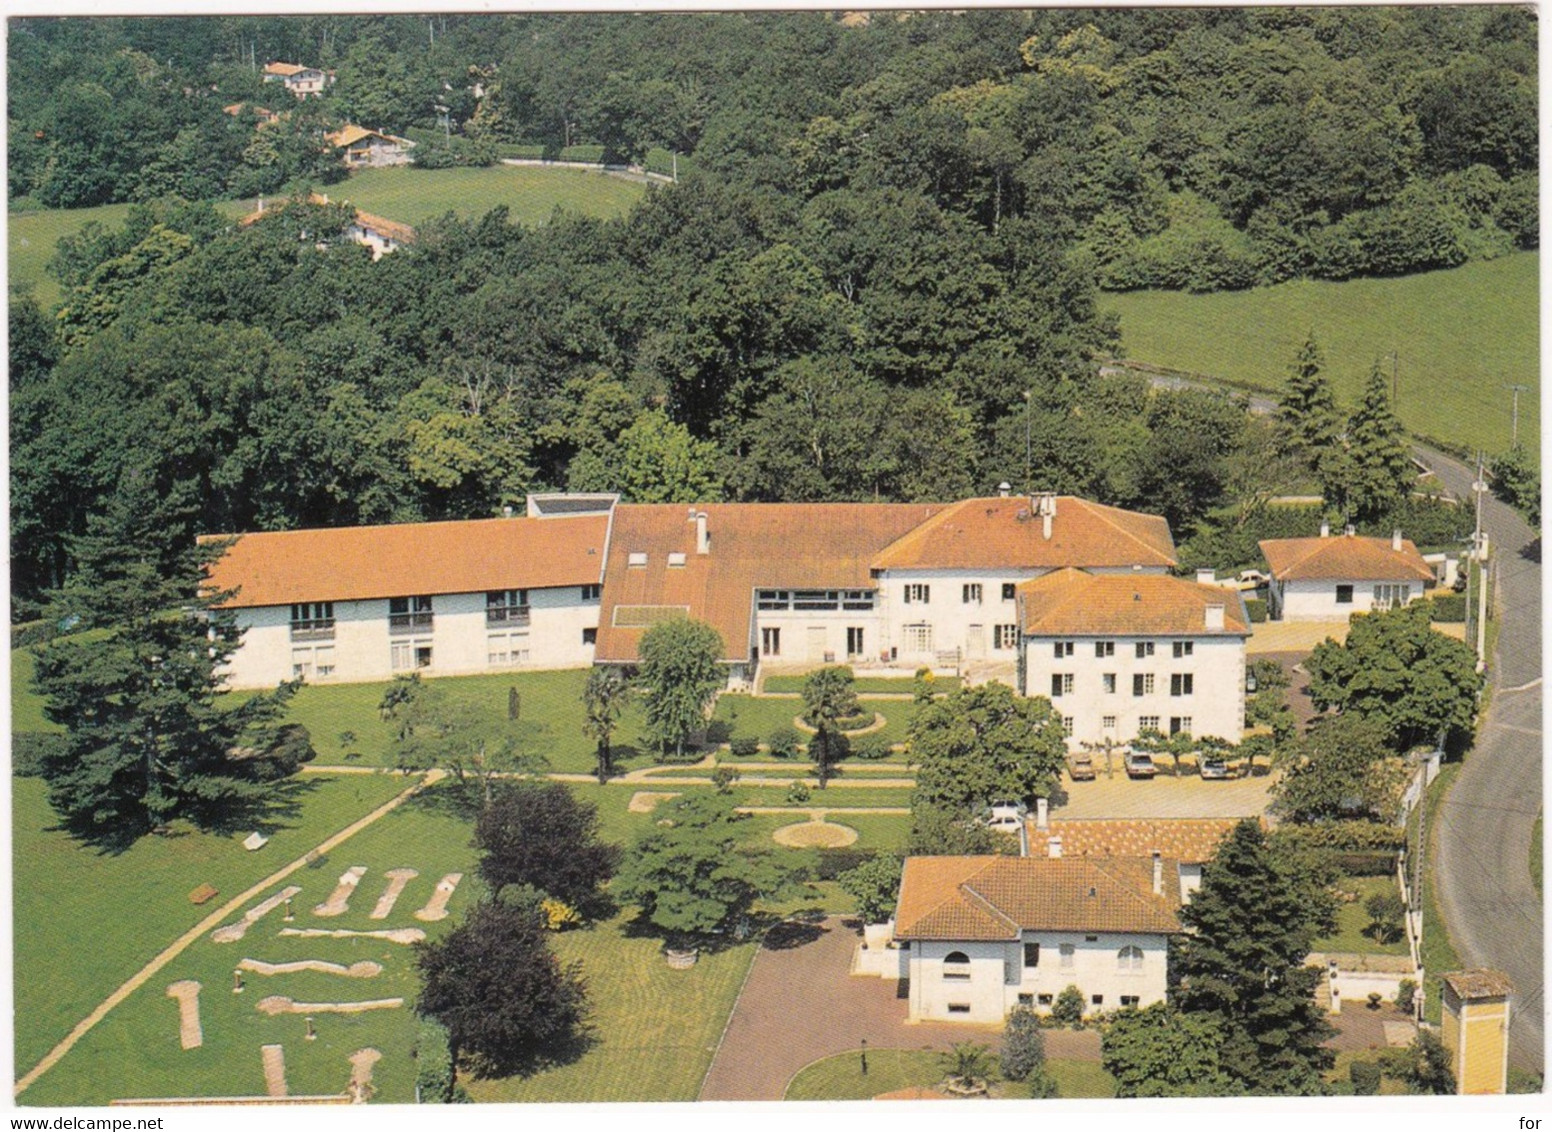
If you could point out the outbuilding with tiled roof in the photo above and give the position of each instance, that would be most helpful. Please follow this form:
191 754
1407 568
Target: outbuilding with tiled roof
1331 577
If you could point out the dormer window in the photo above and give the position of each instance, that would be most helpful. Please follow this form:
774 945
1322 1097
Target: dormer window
636 558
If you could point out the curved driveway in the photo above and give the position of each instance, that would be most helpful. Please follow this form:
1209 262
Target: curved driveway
1482 835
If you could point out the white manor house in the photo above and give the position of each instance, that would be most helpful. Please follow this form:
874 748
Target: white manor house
1055 594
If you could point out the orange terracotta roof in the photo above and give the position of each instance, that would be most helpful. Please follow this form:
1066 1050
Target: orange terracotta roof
1343 558
286 70
995 898
1188 840
389 229
466 556
1074 603
1479 982
766 545
1006 533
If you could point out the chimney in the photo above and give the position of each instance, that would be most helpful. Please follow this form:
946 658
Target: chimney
1395 540
506 510
1042 813
1045 524
1003 488
1206 576
1158 874
1349 531
1325 528
702 539
1214 616
1054 846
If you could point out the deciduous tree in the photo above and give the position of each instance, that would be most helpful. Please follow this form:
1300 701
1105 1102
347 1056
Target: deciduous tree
541 834
1160 1051
1340 769
681 672
985 743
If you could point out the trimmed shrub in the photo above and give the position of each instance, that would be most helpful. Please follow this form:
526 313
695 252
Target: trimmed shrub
1067 1010
433 1066
723 779
871 747
1365 1076
1346 836
1023 1045
1406 995
744 745
829 864
1255 609
783 742
798 793
1449 608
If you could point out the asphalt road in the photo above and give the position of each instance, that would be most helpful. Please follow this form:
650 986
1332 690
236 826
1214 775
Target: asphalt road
1482 835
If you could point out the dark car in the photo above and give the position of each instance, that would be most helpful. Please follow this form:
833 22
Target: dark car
1081 767
1139 765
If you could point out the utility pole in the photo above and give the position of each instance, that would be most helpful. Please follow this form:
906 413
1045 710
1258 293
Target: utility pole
1479 486
1514 434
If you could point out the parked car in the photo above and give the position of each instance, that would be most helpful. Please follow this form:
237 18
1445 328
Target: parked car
1081 767
1253 579
1139 765
1216 768
1006 817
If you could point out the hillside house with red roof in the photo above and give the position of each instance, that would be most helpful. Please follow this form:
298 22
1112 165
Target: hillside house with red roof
1329 578
300 80
361 148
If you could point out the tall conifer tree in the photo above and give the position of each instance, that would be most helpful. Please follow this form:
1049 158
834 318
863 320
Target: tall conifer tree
1381 464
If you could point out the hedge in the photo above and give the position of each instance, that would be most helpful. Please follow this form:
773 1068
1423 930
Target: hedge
1346 836
1255 609
1449 608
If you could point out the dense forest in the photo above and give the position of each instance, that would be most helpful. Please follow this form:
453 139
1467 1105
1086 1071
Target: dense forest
876 280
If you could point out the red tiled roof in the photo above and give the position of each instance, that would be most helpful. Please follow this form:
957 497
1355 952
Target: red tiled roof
286 70
1007 533
1191 841
1343 558
1071 602
1479 982
767 545
995 898
466 556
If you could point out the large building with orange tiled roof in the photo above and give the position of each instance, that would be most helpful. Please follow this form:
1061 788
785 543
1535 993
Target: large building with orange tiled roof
1119 654
1332 577
986 934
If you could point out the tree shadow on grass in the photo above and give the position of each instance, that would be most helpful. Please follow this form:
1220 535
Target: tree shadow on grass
790 934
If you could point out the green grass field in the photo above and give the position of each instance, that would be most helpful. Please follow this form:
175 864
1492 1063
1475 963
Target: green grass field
1351 920
864 685
840 1078
758 716
85 922
1460 336
413 196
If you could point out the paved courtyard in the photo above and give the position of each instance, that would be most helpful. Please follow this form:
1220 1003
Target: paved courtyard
1163 797
800 1004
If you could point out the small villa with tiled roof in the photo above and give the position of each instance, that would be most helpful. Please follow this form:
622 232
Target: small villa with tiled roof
1331 577
982 935
1119 654
361 148
300 80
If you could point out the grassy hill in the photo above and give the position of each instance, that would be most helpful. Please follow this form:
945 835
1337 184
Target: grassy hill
1461 336
411 196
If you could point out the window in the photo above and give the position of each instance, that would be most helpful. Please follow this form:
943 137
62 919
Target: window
857 599
309 662
770 642
1067 724
1043 1000
1389 596
918 593
1130 1000
589 636
407 614
972 593
816 600
1004 636
1091 938
502 649
1103 649
956 966
1031 955
1144 649
1180 683
1108 722
312 621
854 641
1026 1000
1180 725
1147 723
1344 595
1060 649
506 607
1129 958
918 638
1108 682
1097 1000
676 559
592 593
1061 684
773 599
1009 591
1181 648
1068 955
636 559
1142 684
959 1008
405 656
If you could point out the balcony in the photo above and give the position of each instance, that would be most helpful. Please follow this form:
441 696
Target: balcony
409 623
312 630
507 616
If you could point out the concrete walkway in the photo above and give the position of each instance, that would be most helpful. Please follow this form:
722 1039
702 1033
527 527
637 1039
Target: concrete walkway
210 923
800 1004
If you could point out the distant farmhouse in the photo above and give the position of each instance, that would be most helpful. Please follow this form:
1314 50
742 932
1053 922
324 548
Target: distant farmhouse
300 80
361 148
380 235
265 115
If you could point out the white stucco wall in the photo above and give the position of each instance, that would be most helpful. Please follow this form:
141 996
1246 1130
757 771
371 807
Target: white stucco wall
1316 601
459 638
1216 705
806 636
998 976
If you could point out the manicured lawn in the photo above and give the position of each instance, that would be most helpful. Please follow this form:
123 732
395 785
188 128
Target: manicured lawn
1339 1073
656 1028
413 196
1351 920
1461 335
840 1078
135 1050
26 705
819 799
758 716
85 922
897 685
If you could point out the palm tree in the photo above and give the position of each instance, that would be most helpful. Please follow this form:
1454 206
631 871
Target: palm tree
967 1064
829 695
603 700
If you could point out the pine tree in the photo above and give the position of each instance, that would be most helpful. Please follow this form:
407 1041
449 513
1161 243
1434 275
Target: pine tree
148 738
1307 413
1380 471
1242 962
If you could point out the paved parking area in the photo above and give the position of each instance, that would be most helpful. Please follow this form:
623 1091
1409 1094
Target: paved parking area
800 1004
1293 636
1163 797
